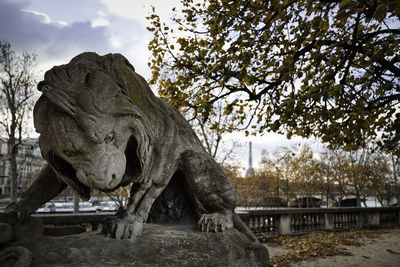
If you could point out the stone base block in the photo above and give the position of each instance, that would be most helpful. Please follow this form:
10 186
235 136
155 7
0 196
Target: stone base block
159 245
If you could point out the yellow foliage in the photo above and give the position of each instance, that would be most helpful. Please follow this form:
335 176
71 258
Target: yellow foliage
320 68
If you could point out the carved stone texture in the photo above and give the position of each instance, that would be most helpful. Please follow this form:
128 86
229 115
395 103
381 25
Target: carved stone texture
31 229
18 256
6 233
101 127
159 245
15 256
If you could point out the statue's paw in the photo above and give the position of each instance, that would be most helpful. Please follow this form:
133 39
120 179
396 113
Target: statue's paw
215 222
127 227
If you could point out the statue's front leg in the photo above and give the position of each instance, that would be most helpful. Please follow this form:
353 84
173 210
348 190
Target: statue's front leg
45 187
212 192
128 223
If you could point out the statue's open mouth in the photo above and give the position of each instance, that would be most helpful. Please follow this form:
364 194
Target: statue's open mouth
132 170
69 175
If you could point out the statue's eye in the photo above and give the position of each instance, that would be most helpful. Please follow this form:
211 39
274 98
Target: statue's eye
69 153
109 137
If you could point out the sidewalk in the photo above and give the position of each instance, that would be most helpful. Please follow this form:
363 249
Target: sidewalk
382 250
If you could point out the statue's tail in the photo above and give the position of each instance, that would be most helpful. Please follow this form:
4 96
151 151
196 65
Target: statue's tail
242 227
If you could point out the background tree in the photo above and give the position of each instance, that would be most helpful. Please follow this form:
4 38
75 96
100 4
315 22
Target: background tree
324 68
362 173
327 172
257 190
211 133
279 165
366 174
268 178
395 171
120 196
298 174
339 173
16 90
304 175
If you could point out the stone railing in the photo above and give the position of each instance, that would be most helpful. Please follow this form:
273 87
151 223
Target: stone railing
267 222
270 222
68 219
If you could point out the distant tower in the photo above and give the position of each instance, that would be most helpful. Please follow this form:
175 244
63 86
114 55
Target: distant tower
250 170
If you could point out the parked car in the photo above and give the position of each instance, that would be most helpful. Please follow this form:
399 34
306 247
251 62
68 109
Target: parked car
66 207
2 207
87 207
107 206
48 207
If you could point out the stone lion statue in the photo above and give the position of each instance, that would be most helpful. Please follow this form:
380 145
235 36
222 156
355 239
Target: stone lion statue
101 127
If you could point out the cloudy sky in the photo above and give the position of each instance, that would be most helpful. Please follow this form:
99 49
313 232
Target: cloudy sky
57 30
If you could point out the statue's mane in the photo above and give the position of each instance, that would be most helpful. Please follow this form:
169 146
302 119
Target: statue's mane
75 89
64 86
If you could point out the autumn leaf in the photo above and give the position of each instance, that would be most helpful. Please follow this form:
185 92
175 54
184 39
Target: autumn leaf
327 69
317 244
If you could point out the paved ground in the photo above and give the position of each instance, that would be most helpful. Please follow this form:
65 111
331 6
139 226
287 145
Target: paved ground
382 251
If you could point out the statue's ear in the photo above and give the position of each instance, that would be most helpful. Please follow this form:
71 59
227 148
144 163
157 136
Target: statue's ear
120 79
60 98
118 63
115 63
40 112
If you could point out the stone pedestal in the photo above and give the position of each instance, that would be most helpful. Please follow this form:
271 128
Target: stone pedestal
159 245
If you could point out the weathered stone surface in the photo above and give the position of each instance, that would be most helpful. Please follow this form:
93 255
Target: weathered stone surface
6 233
30 229
101 127
15 256
159 245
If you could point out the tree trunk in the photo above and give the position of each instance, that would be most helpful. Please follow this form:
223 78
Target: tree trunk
327 197
13 151
14 177
398 198
364 200
358 199
17 87
396 182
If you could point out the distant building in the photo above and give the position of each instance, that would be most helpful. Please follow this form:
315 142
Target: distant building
250 170
3 146
29 162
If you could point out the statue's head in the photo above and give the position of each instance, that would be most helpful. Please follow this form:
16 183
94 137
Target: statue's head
91 131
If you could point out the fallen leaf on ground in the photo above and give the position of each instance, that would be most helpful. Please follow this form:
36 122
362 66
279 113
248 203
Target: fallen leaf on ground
318 244
393 252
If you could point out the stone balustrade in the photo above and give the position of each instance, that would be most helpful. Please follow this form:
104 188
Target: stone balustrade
269 222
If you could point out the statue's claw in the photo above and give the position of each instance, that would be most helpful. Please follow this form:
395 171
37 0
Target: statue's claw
215 222
128 227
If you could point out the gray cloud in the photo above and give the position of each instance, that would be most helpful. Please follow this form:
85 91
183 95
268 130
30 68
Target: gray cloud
27 31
